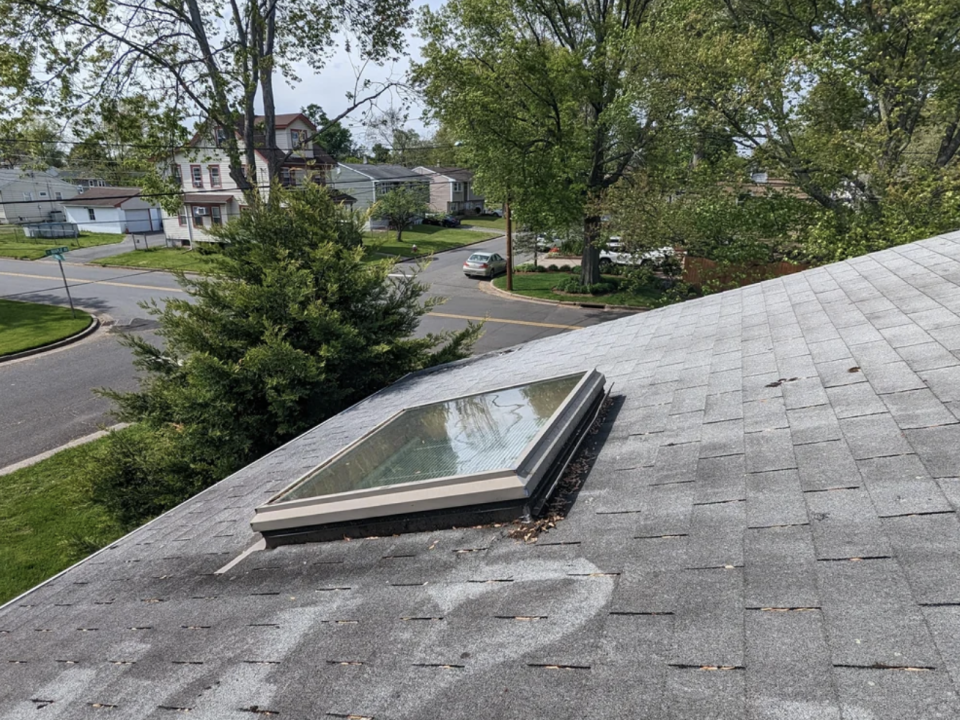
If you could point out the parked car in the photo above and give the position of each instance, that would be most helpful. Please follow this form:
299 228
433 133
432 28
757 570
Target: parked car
613 253
545 243
484 264
450 221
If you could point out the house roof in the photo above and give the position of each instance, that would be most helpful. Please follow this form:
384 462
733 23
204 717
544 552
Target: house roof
104 197
16 175
383 171
283 120
454 173
767 527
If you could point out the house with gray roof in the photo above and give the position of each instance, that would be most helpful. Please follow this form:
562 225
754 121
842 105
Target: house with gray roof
763 525
31 196
451 190
366 183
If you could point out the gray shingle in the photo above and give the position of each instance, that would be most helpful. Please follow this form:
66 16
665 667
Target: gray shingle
788 666
769 450
721 485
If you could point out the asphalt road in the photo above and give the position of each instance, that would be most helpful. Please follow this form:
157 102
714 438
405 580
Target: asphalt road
48 400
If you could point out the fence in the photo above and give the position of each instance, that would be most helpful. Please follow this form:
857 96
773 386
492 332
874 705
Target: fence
50 230
700 271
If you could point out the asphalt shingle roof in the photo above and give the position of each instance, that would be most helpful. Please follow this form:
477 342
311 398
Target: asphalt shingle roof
769 530
104 197
384 171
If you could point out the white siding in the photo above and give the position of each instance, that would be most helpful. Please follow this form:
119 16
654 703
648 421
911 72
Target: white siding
107 220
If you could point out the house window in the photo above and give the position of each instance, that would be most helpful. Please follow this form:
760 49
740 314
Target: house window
175 172
298 138
197 172
28 197
221 136
43 194
59 196
284 176
198 212
182 215
214 176
457 187
215 215
91 214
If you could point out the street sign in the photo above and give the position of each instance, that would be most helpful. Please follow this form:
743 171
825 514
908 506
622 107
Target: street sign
56 251
57 256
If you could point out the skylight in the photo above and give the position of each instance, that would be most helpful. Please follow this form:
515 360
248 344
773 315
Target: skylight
477 456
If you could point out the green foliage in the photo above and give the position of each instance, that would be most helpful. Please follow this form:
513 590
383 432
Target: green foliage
401 206
543 97
855 106
293 328
333 137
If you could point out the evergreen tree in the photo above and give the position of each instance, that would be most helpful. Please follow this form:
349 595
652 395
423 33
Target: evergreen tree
291 329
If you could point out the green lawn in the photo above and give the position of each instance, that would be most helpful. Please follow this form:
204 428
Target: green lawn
540 285
14 245
162 259
428 239
47 521
24 326
494 223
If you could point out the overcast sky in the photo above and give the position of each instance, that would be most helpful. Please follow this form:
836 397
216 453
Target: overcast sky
329 88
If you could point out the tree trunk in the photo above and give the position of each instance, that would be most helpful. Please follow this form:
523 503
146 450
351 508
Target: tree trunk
269 105
590 260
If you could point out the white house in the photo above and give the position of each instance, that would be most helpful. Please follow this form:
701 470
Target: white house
211 197
451 190
118 210
30 196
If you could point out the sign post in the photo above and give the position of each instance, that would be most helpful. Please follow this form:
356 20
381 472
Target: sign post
58 254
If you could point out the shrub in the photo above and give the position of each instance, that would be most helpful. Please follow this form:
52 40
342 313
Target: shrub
525 267
553 267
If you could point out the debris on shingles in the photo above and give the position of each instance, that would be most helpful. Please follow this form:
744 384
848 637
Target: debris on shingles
529 530
781 381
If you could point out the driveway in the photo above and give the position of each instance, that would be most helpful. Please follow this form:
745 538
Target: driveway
97 252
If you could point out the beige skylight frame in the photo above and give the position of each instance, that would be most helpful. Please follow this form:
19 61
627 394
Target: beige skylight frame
517 484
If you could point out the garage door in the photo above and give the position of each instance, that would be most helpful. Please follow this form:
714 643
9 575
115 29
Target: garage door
138 221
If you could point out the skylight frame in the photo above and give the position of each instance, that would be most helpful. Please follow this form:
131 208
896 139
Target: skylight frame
515 484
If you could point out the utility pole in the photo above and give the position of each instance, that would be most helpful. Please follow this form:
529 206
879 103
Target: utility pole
506 215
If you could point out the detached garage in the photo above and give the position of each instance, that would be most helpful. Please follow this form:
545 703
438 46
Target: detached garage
117 210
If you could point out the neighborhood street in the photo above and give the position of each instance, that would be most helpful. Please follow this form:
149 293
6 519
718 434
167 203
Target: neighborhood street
47 400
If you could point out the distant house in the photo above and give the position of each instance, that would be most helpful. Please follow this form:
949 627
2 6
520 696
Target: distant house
211 196
451 190
368 183
81 178
30 196
118 210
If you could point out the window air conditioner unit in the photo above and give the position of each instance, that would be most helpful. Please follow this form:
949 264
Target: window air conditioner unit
80 189
199 211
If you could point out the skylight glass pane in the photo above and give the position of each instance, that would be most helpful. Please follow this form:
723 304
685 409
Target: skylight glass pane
459 437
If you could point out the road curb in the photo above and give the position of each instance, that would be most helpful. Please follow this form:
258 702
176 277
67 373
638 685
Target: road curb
66 446
491 289
94 325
